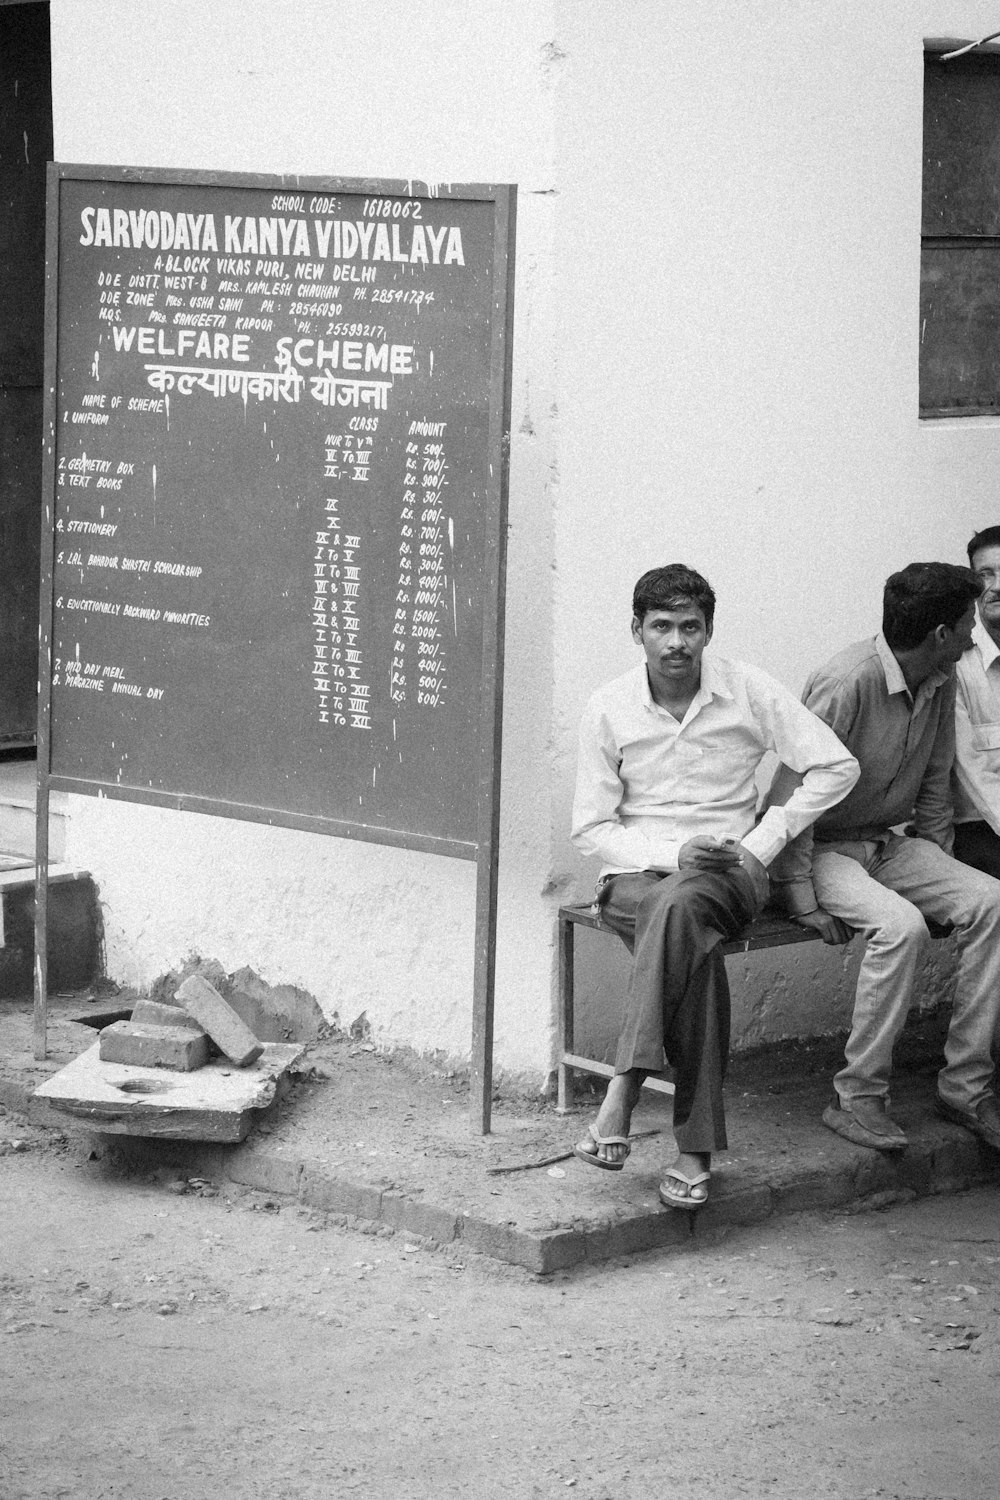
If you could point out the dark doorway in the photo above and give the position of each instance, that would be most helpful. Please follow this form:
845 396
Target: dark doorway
25 148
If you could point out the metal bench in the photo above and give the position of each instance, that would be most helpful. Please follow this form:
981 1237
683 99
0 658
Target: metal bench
769 930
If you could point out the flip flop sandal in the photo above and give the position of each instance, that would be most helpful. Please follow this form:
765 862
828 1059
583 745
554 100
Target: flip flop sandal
591 1157
671 1200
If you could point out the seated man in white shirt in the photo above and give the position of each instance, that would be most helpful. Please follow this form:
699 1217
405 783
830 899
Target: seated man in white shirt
666 796
976 778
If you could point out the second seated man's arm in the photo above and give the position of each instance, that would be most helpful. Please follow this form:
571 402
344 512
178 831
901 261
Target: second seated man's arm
934 811
823 772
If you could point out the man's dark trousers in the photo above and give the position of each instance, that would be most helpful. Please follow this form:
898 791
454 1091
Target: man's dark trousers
678 997
977 845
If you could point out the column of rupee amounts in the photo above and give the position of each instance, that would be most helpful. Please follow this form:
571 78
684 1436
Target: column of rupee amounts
418 662
435 546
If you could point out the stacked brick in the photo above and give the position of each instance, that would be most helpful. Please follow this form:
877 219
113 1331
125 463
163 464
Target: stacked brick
178 1036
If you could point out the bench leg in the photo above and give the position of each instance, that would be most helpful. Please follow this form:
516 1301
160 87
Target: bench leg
564 1100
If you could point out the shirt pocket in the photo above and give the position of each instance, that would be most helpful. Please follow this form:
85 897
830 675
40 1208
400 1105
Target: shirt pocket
731 757
675 770
985 737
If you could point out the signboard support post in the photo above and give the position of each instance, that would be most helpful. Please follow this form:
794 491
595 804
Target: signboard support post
481 1076
494 588
39 1020
44 734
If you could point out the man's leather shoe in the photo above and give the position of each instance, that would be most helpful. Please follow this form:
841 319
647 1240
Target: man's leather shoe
865 1123
983 1121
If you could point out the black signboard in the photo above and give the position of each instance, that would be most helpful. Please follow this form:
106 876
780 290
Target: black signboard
273 555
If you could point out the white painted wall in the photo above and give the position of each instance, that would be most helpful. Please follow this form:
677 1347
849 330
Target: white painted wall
715 361
389 88
739 253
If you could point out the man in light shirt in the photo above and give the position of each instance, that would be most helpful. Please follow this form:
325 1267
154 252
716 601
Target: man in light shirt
666 797
976 782
891 700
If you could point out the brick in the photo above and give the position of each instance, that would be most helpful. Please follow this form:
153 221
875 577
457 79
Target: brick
265 1172
504 1242
416 1217
874 1172
335 1195
557 1251
740 1205
874 1201
154 1046
954 1161
815 1189
231 1034
152 1013
633 1236
916 1168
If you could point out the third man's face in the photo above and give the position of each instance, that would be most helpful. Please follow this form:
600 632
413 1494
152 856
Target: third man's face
986 565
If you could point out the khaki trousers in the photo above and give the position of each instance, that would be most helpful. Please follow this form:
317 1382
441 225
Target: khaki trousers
884 888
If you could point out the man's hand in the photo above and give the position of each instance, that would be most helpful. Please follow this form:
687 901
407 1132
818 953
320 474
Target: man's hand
831 929
704 853
758 874
720 855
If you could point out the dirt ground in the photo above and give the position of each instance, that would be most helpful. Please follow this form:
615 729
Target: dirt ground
162 1339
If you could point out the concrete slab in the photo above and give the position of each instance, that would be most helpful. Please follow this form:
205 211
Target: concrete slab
215 1103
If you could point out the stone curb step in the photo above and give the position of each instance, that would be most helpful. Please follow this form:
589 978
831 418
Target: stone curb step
950 1162
942 1159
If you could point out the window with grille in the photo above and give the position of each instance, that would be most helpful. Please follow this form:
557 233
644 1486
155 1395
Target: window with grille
960 237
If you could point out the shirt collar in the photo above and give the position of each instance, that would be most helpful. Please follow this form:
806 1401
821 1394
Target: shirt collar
894 679
989 651
713 684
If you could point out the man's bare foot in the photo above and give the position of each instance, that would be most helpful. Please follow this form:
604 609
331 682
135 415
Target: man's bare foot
614 1118
680 1187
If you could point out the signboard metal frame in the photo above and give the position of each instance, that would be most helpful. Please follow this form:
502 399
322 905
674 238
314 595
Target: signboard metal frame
483 849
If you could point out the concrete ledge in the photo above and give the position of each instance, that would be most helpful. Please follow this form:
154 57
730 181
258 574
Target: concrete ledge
259 1170
633 1236
334 1194
813 1189
862 1182
365 1139
416 1217
749 1205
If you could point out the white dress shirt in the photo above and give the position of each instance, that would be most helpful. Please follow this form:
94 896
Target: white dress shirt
976 780
646 783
